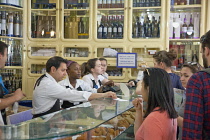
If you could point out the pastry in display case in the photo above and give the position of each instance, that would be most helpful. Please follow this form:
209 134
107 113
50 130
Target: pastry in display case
98 119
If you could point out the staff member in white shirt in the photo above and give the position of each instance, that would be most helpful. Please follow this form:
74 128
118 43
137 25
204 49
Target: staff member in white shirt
14 97
48 93
74 82
91 72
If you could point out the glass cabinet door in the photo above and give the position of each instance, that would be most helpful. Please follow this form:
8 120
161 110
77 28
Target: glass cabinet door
115 73
144 58
36 68
108 51
43 22
76 19
77 52
38 51
186 24
110 18
146 19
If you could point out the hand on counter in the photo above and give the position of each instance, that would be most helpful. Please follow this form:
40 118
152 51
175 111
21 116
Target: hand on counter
110 95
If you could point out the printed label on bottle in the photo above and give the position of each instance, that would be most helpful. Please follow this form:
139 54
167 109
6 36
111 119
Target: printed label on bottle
114 29
16 30
3 24
108 1
190 29
100 29
184 29
10 28
105 29
110 29
119 30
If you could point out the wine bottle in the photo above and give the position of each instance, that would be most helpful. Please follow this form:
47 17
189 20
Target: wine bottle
134 3
152 3
147 3
158 3
105 30
100 29
108 3
80 28
141 32
115 26
99 3
16 25
109 34
190 29
136 28
3 23
113 5
118 3
120 28
10 24
104 4
184 29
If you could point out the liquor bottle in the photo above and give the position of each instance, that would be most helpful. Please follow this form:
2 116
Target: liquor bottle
105 30
141 32
104 4
16 25
145 24
190 29
149 29
158 25
3 23
120 28
142 3
152 3
158 3
136 28
155 29
108 3
79 4
52 27
86 27
194 57
134 3
109 34
113 5
100 29
21 25
184 29
99 3
80 28
10 24
115 26
147 3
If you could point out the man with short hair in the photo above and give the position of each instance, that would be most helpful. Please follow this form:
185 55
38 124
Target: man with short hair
196 123
16 96
48 93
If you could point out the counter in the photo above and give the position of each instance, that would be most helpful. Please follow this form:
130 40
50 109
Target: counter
98 119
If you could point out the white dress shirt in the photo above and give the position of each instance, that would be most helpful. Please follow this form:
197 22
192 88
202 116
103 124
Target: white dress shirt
89 77
46 94
105 75
79 83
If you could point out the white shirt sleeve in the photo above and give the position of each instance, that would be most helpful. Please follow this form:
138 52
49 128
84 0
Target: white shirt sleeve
87 80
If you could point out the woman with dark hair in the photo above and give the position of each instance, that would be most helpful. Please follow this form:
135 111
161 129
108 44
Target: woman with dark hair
163 60
160 118
91 73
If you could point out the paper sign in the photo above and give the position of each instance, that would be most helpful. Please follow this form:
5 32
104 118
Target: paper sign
126 60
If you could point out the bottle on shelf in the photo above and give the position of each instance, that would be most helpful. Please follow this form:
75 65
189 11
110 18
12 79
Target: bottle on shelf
190 29
3 23
109 28
113 3
136 28
184 29
100 3
16 25
120 27
115 26
194 57
100 29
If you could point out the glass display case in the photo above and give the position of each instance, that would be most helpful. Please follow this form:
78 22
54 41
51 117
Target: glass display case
38 51
110 20
36 68
146 17
76 19
43 15
101 118
186 25
77 52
